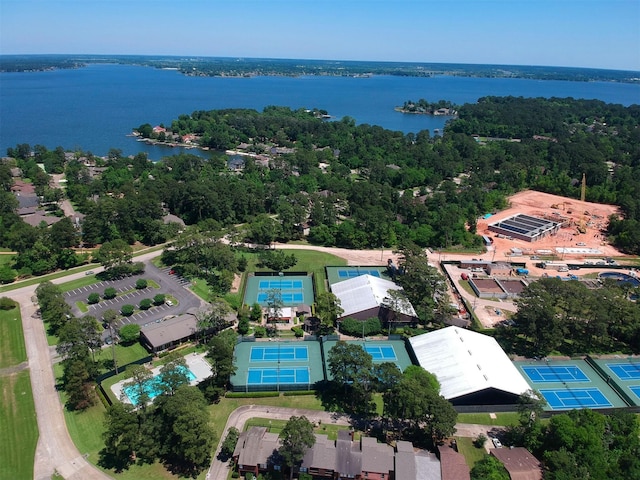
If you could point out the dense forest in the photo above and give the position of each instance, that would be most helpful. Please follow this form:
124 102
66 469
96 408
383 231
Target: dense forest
354 186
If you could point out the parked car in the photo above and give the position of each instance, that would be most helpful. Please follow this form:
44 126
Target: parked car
496 443
90 272
169 303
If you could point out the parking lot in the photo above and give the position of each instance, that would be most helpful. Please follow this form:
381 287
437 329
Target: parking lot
170 285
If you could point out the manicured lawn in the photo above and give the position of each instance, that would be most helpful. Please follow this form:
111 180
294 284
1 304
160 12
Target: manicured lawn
502 419
200 287
470 452
44 278
276 426
12 349
314 262
18 425
78 283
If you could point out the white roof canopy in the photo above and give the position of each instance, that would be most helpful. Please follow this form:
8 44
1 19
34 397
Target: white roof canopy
366 292
466 362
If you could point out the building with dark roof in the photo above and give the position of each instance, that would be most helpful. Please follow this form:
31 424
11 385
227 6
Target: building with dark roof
453 465
257 451
519 463
524 227
167 333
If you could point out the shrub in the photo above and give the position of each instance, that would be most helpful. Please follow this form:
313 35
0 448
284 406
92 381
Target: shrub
259 331
298 331
479 441
127 310
7 304
145 304
109 293
159 299
141 284
93 298
243 326
356 328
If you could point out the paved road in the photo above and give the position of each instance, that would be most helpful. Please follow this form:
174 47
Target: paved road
55 451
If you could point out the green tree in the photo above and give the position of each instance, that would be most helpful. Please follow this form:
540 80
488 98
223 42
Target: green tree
159 299
109 293
296 438
78 385
186 433
328 308
137 387
174 374
114 254
145 304
421 282
489 468
109 317
93 298
121 437
141 284
277 260
129 334
127 310
215 319
229 444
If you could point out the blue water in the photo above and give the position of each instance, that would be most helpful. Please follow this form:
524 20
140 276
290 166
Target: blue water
153 387
96 107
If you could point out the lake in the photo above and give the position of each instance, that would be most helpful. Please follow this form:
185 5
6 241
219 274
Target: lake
94 108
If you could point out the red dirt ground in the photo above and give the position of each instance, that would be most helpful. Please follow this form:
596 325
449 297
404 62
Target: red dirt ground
593 216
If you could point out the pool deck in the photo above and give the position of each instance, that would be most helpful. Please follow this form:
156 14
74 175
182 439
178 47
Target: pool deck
195 362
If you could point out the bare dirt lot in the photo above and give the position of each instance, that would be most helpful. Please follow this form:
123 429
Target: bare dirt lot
591 218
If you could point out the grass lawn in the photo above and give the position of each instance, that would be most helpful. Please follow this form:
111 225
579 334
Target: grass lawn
314 262
470 452
504 419
18 425
12 349
201 288
78 283
45 278
276 426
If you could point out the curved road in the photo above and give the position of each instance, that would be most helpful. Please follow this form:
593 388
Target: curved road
220 470
55 450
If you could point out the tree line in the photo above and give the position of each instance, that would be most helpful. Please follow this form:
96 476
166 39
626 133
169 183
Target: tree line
568 318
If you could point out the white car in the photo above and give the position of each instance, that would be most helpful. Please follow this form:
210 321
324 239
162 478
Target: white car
496 443
169 303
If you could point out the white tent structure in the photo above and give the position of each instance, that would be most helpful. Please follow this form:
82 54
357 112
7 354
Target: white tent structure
361 297
472 368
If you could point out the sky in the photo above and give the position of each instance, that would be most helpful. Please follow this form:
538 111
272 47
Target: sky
574 33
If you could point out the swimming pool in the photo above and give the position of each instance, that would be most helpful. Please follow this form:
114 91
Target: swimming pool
620 278
152 388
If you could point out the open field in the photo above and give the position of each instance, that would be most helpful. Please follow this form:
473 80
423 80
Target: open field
18 422
12 348
18 425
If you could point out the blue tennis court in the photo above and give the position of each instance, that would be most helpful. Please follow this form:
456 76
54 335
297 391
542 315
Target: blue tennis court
381 352
279 354
555 373
625 371
287 298
274 376
559 399
636 390
280 284
351 273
